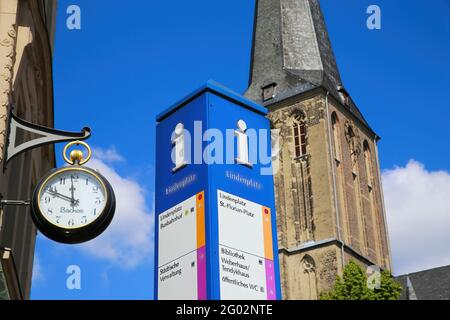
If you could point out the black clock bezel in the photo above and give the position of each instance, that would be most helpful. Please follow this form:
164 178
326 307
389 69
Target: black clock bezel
75 235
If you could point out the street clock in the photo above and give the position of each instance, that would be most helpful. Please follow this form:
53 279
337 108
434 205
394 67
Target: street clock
75 203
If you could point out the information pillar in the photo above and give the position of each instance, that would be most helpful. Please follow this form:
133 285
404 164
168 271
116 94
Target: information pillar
215 215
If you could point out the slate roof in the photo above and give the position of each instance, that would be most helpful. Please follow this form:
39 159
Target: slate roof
291 48
432 284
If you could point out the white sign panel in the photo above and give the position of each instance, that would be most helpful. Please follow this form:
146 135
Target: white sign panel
181 251
245 249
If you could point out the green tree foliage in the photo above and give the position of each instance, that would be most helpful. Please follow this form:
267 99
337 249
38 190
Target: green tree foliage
354 286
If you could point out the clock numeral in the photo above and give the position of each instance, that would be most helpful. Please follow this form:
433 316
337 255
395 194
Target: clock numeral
47 200
62 181
87 181
71 222
73 177
95 211
58 219
83 219
95 189
51 191
97 200
50 211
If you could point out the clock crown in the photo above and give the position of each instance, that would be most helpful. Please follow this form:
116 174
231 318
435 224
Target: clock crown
76 156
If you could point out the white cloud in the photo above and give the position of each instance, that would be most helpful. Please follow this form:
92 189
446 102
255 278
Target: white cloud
38 274
127 241
109 155
418 214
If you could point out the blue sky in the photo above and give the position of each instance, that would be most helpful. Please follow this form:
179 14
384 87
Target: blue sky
132 59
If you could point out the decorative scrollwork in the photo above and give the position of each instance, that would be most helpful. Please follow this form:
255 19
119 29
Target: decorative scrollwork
7 50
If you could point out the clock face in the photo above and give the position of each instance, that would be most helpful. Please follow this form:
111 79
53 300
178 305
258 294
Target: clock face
72 199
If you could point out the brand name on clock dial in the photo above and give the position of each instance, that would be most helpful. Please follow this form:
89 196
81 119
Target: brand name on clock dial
71 210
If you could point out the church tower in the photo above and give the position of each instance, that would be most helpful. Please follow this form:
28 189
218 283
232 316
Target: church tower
329 198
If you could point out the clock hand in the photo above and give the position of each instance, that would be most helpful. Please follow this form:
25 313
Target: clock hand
72 190
59 195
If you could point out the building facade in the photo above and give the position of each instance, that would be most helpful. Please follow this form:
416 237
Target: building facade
26 43
329 197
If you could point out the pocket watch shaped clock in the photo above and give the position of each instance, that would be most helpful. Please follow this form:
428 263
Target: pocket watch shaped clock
73 204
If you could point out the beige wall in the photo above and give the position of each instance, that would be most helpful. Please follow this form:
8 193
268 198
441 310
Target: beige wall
326 211
306 273
359 190
25 82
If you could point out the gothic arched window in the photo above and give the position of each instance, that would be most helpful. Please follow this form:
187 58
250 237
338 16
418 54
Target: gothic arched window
336 136
299 127
351 141
308 278
368 163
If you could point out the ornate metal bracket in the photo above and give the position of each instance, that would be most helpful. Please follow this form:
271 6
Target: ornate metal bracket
14 203
4 203
45 136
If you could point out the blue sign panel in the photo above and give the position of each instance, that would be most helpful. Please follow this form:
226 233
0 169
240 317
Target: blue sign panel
215 212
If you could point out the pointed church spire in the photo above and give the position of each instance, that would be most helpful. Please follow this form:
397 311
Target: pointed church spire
292 54
291 49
